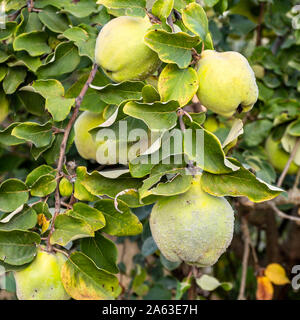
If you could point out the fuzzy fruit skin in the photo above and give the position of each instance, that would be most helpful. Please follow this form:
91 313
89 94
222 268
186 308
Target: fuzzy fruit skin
84 142
194 227
65 187
278 157
41 280
226 81
121 52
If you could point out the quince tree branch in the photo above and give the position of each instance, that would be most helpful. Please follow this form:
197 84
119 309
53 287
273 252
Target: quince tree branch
64 145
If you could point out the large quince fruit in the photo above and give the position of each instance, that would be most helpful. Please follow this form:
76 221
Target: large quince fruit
41 280
226 82
278 157
194 227
84 142
121 51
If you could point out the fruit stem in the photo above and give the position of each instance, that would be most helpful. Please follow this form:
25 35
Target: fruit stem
63 147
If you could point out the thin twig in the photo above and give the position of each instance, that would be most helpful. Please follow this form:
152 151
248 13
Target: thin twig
170 22
246 234
180 114
61 251
259 26
287 166
64 145
282 214
30 5
296 183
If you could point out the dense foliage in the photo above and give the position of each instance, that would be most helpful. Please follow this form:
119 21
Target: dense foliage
58 194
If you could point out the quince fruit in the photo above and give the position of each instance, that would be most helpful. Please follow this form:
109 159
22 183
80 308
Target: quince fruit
65 187
41 280
278 157
194 227
121 51
84 142
226 82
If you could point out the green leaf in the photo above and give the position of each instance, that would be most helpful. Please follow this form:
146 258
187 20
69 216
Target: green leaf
294 128
68 229
83 280
177 84
39 135
13 193
203 147
59 107
18 247
32 102
65 60
42 181
13 78
84 38
79 9
102 251
157 116
80 192
150 94
256 132
98 185
8 31
7 139
211 3
24 59
208 283
177 182
53 20
92 216
149 247
116 93
49 88
181 4
238 183
117 4
23 220
3 72
37 173
42 208
195 19
43 186
169 265
119 224
182 287
162 8
35 43
172 47
53 91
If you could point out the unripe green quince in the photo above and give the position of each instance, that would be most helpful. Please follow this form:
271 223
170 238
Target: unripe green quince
278 157
194 227
84 142
121 51
226 82
41 280
65 187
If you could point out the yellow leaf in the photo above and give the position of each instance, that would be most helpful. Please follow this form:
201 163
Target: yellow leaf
265 289
276 274
43 222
